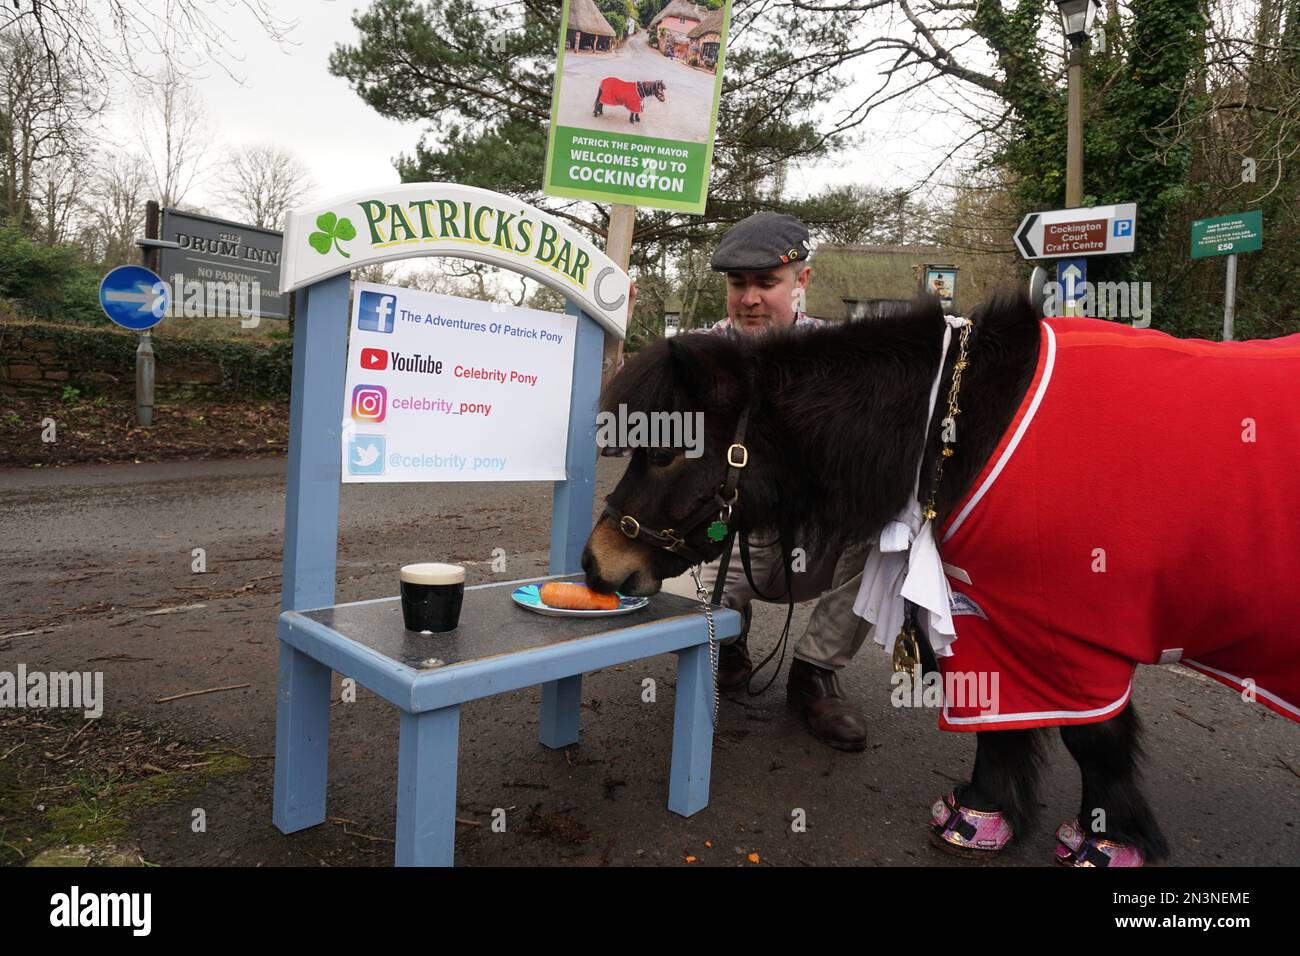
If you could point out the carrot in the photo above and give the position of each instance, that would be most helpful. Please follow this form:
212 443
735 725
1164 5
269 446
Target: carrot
575 597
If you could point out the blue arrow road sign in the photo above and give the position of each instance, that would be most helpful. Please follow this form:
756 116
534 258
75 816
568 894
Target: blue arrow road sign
1071 274
134 297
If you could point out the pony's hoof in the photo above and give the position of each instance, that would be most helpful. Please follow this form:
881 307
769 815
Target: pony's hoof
1078 848
967 833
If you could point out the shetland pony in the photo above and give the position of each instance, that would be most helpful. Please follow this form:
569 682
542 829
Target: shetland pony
835 428
616 92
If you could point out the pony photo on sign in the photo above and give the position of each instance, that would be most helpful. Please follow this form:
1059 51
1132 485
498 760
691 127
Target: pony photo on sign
1061 499
625 93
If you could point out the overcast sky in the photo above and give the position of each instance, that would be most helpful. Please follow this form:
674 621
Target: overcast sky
286 95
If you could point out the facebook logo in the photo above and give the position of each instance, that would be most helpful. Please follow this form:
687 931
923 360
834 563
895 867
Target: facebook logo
1123 227
377 312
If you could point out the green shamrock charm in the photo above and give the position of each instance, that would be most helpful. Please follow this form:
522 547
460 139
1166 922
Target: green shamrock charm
332 230
717 531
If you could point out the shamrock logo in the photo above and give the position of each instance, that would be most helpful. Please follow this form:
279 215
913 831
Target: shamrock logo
332 229
717 531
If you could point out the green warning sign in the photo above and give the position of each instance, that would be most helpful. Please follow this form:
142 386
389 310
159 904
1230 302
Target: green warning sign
1228 235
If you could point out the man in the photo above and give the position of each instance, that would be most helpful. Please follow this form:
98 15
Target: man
765 258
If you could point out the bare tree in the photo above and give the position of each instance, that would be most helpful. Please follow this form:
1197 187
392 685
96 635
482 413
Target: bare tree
114 208
262 183
92 42
176 132
43 135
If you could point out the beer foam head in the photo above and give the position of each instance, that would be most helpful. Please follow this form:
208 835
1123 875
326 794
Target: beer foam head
433 574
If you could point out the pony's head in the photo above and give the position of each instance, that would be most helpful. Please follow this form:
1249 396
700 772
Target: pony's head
660 91
676 406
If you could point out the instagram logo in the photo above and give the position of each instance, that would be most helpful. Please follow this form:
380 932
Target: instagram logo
369 403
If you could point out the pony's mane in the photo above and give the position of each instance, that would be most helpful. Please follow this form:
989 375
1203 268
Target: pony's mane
832 393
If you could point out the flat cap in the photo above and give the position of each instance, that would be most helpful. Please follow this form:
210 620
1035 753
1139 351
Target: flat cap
763 241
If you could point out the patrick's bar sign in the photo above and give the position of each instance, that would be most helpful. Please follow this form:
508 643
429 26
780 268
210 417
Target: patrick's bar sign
449 219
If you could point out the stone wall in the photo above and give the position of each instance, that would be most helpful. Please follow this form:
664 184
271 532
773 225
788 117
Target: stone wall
37 358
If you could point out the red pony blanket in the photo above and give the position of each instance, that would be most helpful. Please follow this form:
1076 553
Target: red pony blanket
616 92
1143 507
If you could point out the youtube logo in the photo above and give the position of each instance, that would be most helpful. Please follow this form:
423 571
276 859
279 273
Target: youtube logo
374 359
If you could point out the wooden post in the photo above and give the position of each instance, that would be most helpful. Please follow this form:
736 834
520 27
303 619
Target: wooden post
618 246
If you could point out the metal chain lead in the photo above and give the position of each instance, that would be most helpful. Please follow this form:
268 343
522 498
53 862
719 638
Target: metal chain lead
702 593
963 353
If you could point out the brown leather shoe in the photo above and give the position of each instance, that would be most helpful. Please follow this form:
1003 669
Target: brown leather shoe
734 665
829 716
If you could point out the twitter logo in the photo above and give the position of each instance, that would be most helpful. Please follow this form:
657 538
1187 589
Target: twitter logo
366 455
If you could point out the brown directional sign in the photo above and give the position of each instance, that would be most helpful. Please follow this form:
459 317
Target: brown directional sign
1074 238
1083 231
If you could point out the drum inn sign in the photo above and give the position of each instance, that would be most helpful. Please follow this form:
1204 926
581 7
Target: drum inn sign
444 219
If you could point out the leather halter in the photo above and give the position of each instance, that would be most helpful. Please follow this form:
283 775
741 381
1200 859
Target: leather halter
719 508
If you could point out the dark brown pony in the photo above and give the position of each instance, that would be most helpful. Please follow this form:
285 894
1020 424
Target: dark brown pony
834 431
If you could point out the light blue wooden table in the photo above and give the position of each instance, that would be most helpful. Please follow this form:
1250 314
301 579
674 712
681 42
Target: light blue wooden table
498 647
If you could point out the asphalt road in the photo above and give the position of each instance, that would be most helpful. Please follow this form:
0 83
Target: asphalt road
97 572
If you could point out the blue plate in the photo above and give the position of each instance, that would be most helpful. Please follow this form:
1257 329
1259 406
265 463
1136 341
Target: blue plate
528 597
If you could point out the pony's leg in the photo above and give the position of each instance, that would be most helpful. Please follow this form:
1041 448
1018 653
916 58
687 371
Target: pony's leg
596 110
1005 778
1113 806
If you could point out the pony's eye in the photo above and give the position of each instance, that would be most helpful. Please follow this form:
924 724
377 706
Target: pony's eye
661 458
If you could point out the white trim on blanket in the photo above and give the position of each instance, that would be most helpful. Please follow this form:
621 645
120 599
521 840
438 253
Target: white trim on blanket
1015 439
1286 705
1040 715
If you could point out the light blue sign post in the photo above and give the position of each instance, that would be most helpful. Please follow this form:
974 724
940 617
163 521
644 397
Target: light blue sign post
498 647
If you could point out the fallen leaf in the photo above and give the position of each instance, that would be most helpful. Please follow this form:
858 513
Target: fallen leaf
753 858
690 859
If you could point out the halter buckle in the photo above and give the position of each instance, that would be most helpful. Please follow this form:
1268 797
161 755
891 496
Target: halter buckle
731 456
628 521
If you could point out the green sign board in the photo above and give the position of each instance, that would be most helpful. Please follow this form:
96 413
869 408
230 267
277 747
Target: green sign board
634 112
1228 235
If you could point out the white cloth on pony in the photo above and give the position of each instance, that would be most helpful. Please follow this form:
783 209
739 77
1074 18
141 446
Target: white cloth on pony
905 564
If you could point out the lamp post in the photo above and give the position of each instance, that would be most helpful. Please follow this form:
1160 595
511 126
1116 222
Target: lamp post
1076 18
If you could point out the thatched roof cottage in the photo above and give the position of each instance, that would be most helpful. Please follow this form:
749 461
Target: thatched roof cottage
587 30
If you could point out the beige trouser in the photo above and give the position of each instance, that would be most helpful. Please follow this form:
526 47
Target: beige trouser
834 633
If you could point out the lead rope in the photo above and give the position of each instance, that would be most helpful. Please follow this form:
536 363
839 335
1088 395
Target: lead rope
702 593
